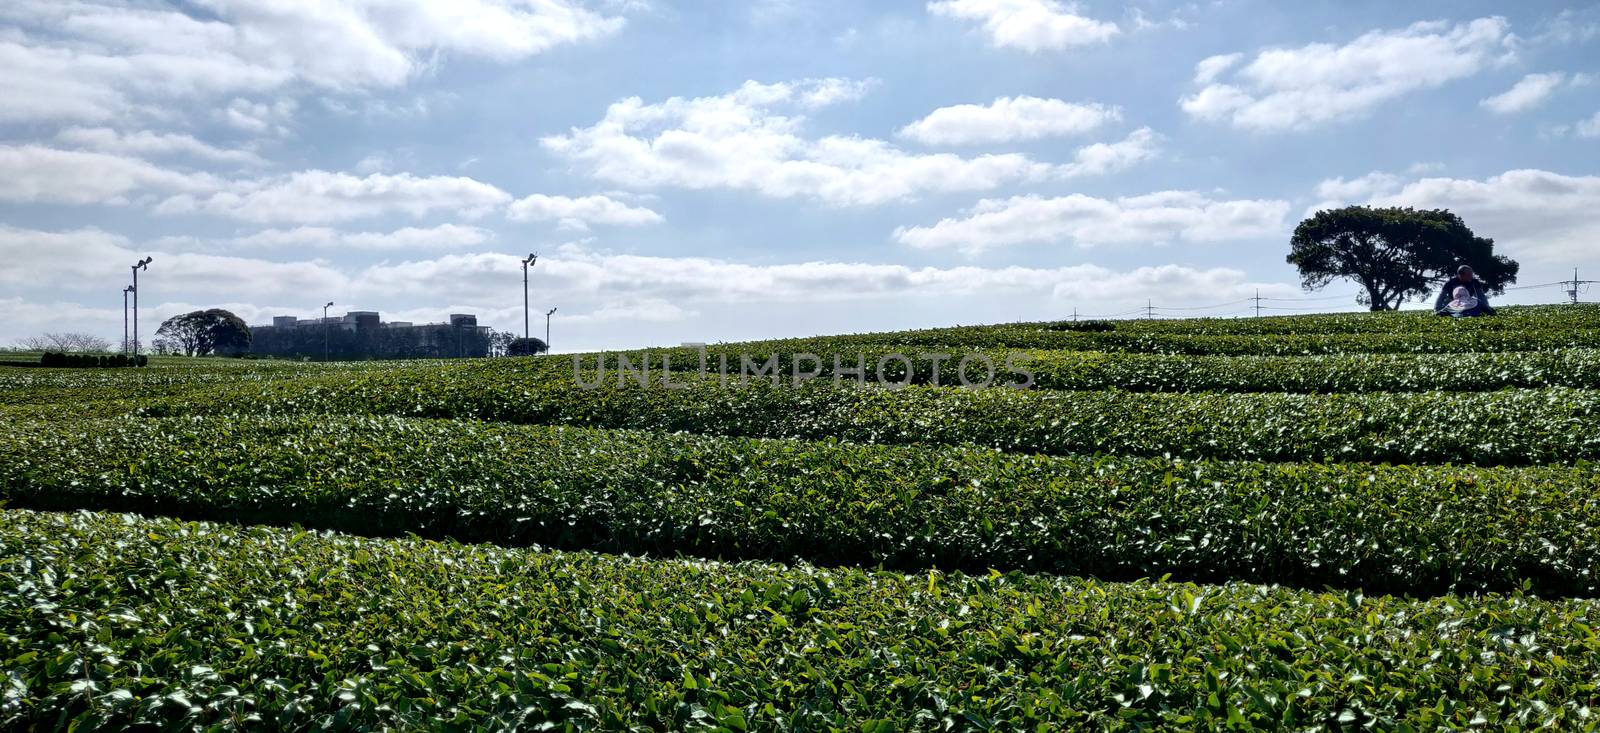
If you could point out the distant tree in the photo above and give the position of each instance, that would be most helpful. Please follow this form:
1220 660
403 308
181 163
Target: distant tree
65 342
526 347
500 342
1394 253
200 333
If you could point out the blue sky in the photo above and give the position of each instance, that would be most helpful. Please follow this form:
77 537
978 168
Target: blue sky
707 171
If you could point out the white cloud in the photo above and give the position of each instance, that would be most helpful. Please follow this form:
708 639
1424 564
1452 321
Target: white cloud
1531 91
92 60
92 258
772 11
38 174
578 213
1589 127
821 93
1031 25
748 140
68 257
21 318
443 236
147 143
575 272
1320 83
1212 67
260 118
1008 119
1100 159
1086 221
592 287
1544 216
315 196
1571 26
1357 189
48 84
374 163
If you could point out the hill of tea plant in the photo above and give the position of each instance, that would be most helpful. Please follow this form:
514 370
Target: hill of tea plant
1355 521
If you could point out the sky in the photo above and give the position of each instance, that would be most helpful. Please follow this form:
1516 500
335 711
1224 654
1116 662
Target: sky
710 171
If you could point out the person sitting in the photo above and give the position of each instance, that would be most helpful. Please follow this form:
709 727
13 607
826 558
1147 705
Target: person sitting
1462 304
1463 296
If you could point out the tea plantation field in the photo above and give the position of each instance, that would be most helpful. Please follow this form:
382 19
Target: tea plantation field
1329 522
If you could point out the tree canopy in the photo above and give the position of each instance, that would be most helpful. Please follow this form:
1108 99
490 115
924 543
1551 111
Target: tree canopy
526 347
1394 253
200 333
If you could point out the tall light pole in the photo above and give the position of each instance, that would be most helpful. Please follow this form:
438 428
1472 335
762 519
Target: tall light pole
325 329
141 265
125 292
547 315
532 258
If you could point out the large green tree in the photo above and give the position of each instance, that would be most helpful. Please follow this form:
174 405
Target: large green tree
1394 253
526 347
200 333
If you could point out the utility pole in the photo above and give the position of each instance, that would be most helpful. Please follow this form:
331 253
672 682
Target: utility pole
325 330
125 292
526 263
1149 308
141 265
1074 313
547 315
1257 299
1577 285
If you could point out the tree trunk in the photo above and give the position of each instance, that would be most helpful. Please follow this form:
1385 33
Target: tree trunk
1375 300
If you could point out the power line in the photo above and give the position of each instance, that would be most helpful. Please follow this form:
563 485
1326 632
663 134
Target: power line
1201 307
1292 308
1542 285
1123 314
1258 303
1350 296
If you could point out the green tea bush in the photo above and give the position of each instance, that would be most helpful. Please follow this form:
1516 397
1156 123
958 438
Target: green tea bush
1420 529
115 622
1516 329
1508 318
1088 370
1035 337
1514 427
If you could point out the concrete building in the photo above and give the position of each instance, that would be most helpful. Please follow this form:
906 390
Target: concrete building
363 335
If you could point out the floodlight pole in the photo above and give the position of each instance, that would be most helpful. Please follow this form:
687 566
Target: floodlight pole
526 263
140 265
547 315
125 292
325 330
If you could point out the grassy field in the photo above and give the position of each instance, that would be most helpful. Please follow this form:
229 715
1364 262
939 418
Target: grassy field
1339 522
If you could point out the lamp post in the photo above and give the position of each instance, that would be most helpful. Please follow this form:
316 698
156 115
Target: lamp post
526 263
325 329
547 315
140 265
125 292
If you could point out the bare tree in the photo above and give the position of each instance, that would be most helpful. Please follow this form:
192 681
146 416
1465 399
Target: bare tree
69 341
500 342
80 342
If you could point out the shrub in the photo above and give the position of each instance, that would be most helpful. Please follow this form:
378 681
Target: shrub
1081 326
1423 529
160 624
